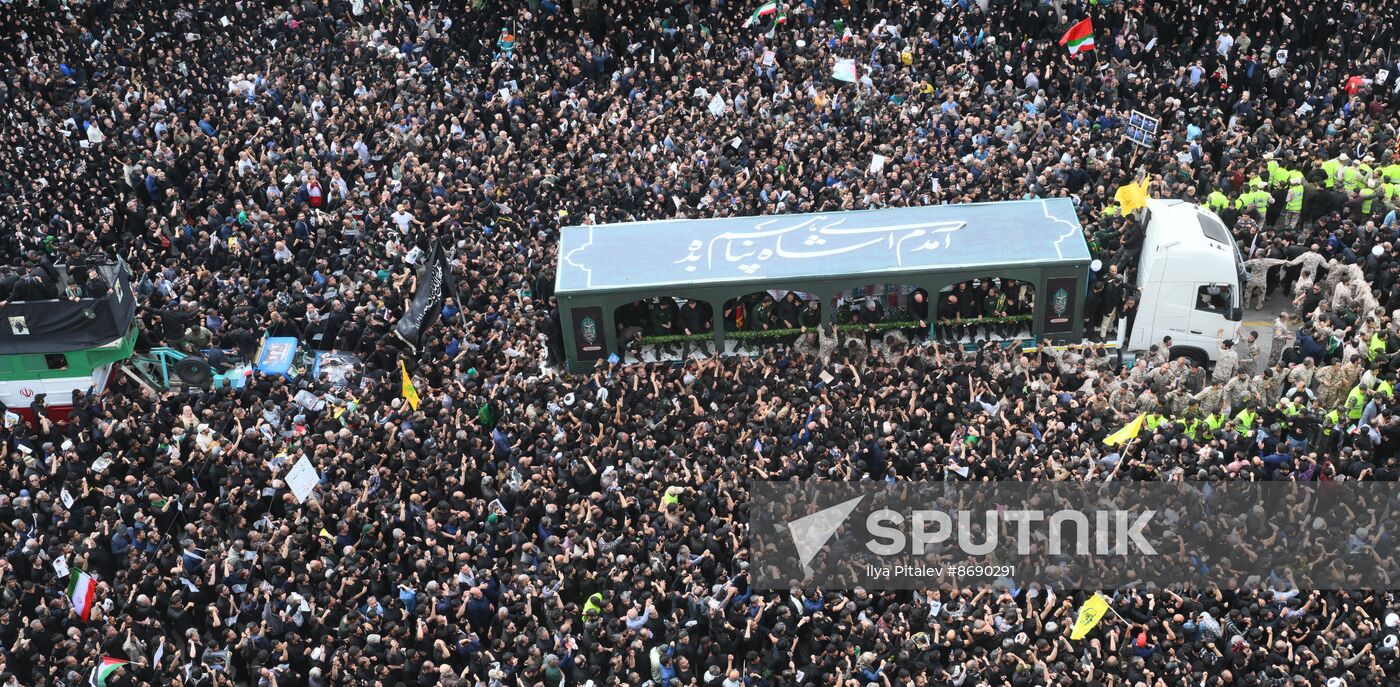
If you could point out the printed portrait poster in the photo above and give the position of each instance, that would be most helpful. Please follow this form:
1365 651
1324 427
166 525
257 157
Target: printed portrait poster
590 343
1060 294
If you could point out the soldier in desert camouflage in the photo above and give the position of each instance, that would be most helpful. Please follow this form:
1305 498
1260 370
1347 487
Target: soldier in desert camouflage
1258 285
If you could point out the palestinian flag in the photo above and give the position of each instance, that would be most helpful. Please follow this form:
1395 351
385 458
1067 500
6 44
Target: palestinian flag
767 9
81 588
1079 37
104 670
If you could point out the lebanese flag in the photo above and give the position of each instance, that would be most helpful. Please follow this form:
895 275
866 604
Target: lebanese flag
81 588
1079 37
104 670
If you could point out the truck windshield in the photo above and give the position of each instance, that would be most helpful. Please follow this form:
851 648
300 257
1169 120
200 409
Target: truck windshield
1215 231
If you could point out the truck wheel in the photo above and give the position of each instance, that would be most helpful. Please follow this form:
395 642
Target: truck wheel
1194 354
194 371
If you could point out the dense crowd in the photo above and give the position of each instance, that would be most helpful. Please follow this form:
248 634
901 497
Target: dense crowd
266 167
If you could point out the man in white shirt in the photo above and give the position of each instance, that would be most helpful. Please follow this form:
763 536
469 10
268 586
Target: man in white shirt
402 217
1224 43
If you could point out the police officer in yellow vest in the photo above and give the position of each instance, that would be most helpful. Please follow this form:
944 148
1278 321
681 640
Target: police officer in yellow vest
1353 178
1377 345
1368 200
1331 423
1356 403
1217 201
1390 193
1385 388
1278 175
1391 172
1367 168
1260 198
1246 418
1215 421
1333 169
1292 203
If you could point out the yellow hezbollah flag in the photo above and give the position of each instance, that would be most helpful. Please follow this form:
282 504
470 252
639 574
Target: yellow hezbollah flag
1089 616
1132 196
326 534
1128 432
410 394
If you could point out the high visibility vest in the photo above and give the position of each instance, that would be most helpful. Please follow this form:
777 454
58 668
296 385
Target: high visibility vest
1215 421
1246 419
1367 171
1261 201
1295 175
1330 420
1293 202
1356 403
1368 195
1191 428
1386 389
1331 167
1376 347
1217 201
1278 175
1390 192
1153 420
1391 173
594 603
1110 211
1353 178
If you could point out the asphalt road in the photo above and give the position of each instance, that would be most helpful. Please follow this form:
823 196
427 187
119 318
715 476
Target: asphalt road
1262 321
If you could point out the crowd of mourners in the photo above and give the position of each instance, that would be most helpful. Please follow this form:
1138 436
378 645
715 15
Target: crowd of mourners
266 167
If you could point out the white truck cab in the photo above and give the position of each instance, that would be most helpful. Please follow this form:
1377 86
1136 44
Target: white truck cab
1190 281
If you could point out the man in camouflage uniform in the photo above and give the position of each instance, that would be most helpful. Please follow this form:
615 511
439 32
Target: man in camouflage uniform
1195 378
1249 355
1335 381
1311 261
1212 398
1257 288
1350 289
1226 363
1177 401
1238 391
1283 338
1303 373
1268 386
1123 395
1163 376
1147 402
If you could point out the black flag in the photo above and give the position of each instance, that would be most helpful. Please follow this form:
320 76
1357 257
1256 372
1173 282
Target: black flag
434 285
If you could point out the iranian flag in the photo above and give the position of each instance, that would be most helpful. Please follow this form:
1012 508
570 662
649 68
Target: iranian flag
81 588
767 9
104 670
1079 37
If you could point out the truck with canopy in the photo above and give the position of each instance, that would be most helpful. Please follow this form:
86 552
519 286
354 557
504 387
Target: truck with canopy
606 272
